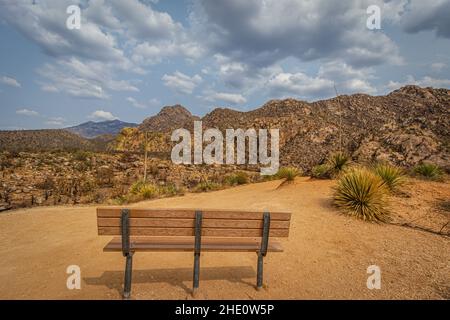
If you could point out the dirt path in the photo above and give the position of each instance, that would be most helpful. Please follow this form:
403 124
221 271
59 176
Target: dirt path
326 256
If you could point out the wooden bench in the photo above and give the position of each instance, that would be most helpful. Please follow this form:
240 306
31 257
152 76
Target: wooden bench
191 230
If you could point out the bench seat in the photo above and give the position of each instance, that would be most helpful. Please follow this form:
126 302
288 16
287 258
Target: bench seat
187 244
194 230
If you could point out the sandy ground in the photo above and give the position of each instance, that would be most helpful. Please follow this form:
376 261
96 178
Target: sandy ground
325 257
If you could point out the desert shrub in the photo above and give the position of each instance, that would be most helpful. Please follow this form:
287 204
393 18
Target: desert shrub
288 173
444 205
428 171
237 178
207 186
81 155
136 187
171 190
47 184
361 193
392 176
105 176
338 162
87 185
148 191
321 171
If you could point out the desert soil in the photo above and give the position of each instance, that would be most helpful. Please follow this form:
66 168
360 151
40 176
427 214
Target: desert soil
326 255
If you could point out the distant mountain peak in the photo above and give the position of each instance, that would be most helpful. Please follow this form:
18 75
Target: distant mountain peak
91 129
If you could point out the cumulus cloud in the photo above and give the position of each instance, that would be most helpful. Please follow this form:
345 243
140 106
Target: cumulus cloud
427 16
181 83
102 115
10 81
27 112
56 121
82 79
143 105
336 73
232 98
262 33
426 81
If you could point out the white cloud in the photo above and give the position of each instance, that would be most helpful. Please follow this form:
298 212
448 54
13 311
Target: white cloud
438 66
181 83
82 79
45 25
152 103
261 33
299 84
427 15
102 115
27 112
10 81
232 98
426 81
56 121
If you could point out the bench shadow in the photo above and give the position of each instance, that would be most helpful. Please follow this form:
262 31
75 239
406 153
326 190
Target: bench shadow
174 276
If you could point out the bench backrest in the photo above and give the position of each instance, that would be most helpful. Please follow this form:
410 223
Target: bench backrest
181 222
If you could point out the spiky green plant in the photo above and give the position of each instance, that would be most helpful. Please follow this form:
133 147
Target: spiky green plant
237 178
288 173
361 193
428 171
338 162
392 176
206 186
321 171
148 191
136 187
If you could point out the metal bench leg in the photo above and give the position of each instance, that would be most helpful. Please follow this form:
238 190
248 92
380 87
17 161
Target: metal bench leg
128 274
259 275
197 249
196 273
263 251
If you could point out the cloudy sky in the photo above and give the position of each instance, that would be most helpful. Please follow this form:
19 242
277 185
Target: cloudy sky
130 58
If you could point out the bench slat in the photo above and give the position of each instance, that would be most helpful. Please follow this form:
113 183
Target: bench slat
187 244
189 223
217 232
115 212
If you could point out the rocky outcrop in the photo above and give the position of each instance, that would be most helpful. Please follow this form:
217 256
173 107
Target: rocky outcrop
168 119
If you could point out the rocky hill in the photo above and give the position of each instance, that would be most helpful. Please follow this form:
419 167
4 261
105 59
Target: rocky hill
48 140
168 119
405 127
93 129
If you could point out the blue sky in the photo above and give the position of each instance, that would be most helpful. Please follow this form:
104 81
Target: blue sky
130 58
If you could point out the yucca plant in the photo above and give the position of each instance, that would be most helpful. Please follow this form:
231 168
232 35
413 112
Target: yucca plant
337 162
392 176
361 193
428 171
288 173
321 171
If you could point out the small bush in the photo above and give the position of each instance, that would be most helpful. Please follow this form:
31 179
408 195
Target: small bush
81 155
148 191
428 171
207 186
237 179
361 193
321 171
288 173
392 176
338 162
136 187
171 190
